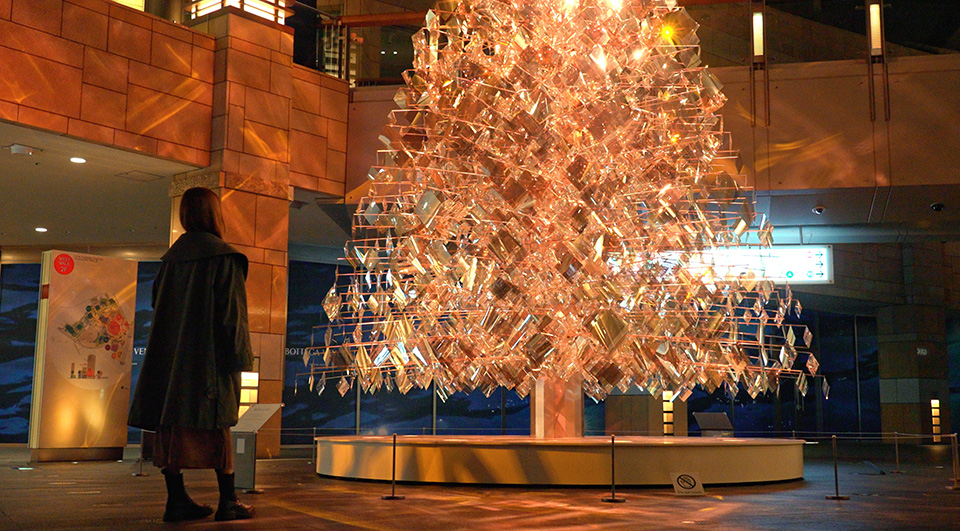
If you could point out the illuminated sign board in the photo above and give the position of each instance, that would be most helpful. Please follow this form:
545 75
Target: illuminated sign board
783 264
136 4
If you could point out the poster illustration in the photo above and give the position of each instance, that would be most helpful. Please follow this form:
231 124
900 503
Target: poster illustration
84 346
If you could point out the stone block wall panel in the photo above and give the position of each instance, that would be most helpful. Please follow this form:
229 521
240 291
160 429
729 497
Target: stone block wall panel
135 142
44 15
94 132
171 54
265 141
278 303
85 26
268 108
106 70
333 104
272 223
273 369
101 106
42 119
239 215
306 95
105 73
35 82
36 42
318 132
129 40
259 280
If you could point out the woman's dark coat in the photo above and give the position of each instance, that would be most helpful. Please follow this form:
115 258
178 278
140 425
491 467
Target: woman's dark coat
199 341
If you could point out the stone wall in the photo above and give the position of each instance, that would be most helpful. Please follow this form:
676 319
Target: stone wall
102 72
318 132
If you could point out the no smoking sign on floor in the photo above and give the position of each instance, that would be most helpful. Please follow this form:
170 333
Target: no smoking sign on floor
687 484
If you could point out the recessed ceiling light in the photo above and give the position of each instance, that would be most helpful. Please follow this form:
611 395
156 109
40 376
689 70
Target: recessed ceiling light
40 229
78 160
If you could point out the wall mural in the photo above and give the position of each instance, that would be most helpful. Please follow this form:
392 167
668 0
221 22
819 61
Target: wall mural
19 295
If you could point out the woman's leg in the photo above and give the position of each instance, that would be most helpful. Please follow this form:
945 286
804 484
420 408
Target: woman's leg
179 505
230 507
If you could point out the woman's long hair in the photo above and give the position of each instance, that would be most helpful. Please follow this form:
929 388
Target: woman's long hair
200 211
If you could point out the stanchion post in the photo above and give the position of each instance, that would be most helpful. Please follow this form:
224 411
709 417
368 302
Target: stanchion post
836 475
956 463
140 473
896 450
393 479
613 474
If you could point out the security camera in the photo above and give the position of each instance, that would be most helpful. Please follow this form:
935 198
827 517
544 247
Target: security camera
819 209
937 207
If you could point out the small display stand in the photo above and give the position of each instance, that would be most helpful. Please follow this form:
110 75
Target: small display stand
714 424
244 436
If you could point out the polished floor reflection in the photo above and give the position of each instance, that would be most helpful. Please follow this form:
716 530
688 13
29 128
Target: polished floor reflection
108 496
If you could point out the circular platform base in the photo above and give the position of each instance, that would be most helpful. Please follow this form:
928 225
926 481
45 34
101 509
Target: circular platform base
507 460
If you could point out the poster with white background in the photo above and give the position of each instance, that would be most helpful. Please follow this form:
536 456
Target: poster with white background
84 345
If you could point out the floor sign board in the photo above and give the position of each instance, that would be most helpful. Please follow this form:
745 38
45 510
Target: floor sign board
81 388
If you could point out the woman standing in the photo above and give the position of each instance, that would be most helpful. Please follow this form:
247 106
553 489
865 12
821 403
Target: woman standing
189 386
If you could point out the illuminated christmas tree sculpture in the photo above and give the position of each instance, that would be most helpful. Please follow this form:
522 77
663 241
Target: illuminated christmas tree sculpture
553 185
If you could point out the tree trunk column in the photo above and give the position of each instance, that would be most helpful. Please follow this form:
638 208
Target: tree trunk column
556 408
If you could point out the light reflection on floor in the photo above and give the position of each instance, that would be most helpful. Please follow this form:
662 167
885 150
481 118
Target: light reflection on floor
107 496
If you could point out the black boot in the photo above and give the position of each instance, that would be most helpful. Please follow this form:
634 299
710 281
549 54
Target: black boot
179 505
230 507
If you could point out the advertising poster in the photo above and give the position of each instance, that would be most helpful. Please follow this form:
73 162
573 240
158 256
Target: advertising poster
84 347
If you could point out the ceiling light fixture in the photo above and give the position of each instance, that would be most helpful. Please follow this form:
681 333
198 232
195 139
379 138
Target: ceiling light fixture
40 229
78 160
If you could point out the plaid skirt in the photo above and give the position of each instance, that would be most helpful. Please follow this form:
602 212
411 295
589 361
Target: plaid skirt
180 448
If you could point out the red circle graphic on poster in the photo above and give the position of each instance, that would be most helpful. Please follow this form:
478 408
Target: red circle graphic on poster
63 263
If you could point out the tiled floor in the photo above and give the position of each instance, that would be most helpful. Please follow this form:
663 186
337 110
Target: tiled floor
106 495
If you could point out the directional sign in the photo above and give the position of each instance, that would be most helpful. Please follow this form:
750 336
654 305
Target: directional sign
791 264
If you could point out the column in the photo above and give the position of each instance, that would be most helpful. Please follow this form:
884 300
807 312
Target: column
250 170
912 348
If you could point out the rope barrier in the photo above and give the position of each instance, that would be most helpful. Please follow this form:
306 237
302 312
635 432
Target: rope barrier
892 436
